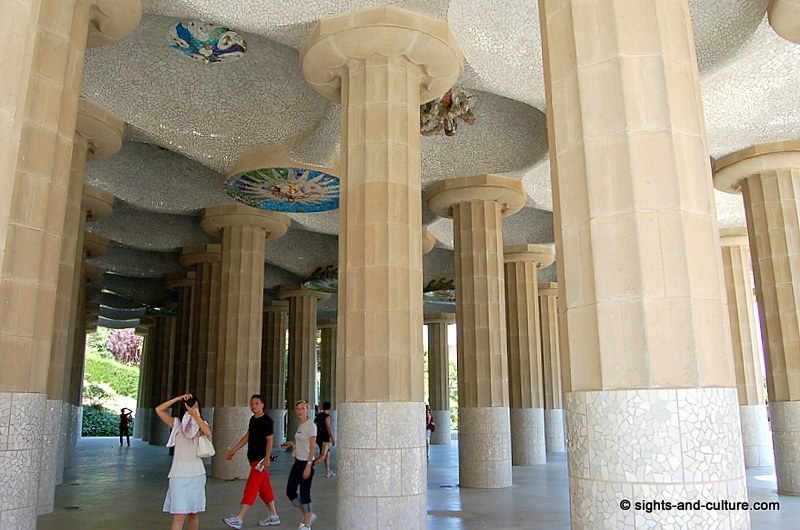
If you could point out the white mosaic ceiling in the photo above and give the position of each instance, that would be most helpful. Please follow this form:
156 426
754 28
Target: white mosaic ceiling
189 122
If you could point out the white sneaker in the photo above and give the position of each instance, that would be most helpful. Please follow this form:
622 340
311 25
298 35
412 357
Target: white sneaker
330 474
312 519
270 520
233 522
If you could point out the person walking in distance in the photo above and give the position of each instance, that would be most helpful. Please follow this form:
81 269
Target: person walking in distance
259 446
325 438
302 472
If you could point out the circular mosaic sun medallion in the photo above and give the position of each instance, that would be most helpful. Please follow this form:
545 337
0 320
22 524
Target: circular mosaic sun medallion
206 42
443 296
285 189
323 285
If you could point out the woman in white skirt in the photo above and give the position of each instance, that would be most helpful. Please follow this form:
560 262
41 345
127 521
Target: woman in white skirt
187 476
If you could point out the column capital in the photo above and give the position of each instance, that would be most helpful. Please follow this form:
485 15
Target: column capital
173 281
230 215
732 169
112 21
192 255
440 318
542 255
508 192
289 291
428 241
101 130
784 17
94 245
276 306
734 237
97 203
548 289
326 323
383 31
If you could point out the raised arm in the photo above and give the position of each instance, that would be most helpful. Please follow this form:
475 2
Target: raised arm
199 419
162 409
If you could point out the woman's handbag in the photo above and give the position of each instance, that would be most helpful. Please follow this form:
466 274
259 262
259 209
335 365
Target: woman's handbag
205 449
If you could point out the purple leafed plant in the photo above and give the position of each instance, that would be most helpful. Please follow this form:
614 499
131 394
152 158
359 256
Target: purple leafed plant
126 346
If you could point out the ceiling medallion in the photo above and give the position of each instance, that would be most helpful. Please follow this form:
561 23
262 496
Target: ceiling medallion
324 280
440 115
207 42
441 291
285 189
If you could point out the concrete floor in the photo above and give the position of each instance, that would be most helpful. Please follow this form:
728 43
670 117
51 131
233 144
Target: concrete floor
109 487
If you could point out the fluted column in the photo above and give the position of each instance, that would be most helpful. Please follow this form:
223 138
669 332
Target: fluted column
328 338
166 329
551 369
184 284
525 385
784 17
144 404
273 364
381 64
439 375
243 232
301 374
477 206
646 358
768 177
37 123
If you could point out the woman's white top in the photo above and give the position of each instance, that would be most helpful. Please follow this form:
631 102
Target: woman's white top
305 431
185 463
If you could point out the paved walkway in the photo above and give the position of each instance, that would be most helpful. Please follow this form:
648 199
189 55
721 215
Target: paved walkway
110 487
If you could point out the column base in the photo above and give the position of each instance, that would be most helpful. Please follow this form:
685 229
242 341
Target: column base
484 451
49 456
527 437
144 419
159 431
660 444
72 432
442 435
20 452
137 423
63 439
786 439
278 421
382 469
230 423
756 439
554 422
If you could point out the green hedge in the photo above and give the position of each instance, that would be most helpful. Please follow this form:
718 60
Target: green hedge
122 378
100 422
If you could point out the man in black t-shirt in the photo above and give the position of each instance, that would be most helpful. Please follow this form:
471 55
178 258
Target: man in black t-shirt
259 446
325 439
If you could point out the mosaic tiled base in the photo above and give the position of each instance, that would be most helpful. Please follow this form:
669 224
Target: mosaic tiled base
554 423
49 456
72 432
137 424
484 447
159 432
21 425
786 438
644 445
756 436
442 434
63 438
382 468
144 419
278 434
527 437
230 423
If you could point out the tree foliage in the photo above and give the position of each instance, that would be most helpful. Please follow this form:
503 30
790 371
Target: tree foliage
126 346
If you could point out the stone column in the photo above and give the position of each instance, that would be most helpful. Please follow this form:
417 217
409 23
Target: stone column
301 373
439 375
163 389
784 17
756 440
37 122
551 370
98 135
243 231
768 177
646 357
184 284
477 205
328 337
525 386
381 63
273 365
141 425
205 260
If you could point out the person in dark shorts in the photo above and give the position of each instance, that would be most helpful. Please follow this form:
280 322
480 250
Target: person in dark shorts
125 419
325 438
259 446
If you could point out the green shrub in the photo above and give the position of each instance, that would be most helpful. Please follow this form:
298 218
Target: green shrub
98 421
122 378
